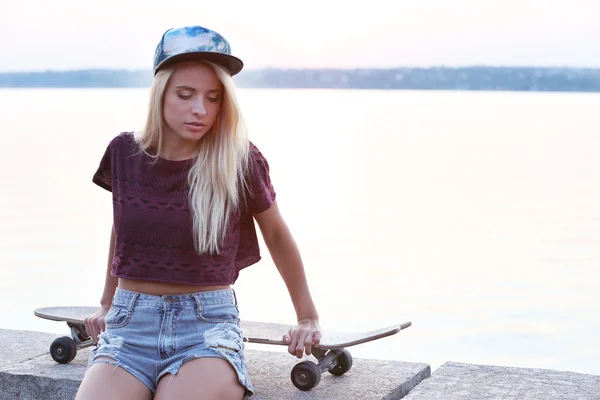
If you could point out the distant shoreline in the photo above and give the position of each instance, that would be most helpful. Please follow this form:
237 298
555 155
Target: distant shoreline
536 79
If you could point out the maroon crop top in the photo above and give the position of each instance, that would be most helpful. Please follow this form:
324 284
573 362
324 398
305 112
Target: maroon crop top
153 221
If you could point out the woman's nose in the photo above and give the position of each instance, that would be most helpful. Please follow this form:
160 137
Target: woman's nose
199 108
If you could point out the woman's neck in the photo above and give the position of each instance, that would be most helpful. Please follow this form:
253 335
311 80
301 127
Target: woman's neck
177 149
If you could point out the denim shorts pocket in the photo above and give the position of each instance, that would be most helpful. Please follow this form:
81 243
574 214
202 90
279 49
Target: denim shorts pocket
117 317
219 313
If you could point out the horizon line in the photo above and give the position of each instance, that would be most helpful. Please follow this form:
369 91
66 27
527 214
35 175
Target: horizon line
437 66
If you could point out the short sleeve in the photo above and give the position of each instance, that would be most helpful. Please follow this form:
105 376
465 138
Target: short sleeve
261 194
103 175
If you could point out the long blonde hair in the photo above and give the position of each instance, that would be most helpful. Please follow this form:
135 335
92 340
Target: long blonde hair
218 177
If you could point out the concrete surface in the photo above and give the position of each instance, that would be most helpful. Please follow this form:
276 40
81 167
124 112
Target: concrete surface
27 372
368 379
456 381
18 346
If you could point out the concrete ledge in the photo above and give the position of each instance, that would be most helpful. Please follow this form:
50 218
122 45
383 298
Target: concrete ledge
27 372
455 381
18 346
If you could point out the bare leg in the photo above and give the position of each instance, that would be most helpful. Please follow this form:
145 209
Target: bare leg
202 378
105 381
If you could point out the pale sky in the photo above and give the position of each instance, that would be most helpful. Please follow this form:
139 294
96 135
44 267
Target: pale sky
73 34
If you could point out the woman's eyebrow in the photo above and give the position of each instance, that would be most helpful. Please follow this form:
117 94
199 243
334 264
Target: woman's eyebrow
191 89
186 88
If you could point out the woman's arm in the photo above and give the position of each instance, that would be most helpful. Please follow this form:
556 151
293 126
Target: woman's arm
287 259
110 282
94 324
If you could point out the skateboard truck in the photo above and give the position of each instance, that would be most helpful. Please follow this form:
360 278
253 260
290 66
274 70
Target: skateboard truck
337 360
64 349
307 374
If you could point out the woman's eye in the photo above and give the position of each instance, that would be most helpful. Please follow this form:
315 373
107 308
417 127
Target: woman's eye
213 99
184 97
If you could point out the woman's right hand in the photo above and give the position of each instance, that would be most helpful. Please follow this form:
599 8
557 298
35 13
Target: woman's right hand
94 324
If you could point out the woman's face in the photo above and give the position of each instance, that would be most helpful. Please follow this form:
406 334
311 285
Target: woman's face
191 102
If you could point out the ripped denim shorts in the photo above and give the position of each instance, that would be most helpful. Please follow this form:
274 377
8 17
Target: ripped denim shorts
150 336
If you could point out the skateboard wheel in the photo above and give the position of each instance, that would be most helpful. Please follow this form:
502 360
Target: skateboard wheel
306 375
344 363
63 350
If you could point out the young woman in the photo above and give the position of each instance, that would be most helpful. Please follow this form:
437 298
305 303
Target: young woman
186 191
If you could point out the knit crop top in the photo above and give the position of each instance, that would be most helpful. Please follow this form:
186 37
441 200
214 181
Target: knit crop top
153 221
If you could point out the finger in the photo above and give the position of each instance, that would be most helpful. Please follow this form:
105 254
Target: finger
317 338
286 338
292 345
92 333
88 326
96 330
308 344
300 344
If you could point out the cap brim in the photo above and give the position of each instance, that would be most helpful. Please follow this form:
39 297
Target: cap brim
233 64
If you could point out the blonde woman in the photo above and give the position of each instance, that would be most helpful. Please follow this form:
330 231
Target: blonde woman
186 191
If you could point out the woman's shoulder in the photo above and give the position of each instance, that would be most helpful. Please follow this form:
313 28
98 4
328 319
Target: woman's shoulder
260 187
123 139
254 153
124 144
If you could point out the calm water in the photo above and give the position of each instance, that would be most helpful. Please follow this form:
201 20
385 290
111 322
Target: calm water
474 215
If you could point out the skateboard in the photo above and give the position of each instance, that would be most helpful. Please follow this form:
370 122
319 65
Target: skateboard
64 349
331 354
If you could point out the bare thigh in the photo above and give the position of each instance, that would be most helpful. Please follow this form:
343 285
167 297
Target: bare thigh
202 378
104 381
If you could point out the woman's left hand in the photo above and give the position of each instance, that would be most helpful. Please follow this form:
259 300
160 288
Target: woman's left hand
303 336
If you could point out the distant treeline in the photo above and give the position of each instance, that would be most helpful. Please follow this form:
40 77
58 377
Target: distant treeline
435 78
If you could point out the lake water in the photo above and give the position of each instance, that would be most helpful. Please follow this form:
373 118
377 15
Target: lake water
475 215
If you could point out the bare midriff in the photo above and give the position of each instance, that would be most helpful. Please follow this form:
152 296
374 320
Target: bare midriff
164 288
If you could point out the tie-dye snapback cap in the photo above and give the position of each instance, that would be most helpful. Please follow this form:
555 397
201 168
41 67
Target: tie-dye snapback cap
195 43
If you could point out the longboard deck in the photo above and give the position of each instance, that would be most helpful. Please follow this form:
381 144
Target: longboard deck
254 331
75 315
268 333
